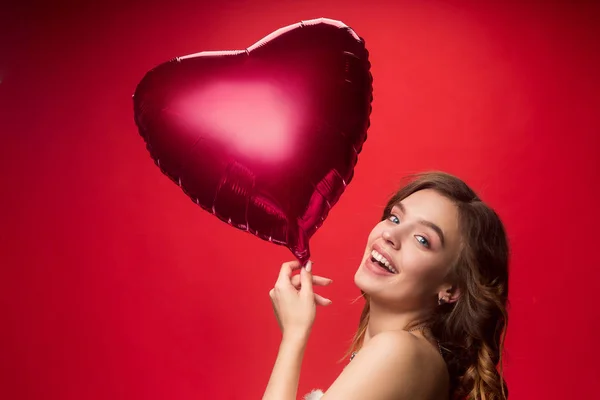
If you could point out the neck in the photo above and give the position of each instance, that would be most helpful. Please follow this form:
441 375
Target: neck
384 318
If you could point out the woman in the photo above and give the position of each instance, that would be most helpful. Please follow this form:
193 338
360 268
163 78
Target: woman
434 276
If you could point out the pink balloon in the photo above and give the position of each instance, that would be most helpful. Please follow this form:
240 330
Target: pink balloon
265 138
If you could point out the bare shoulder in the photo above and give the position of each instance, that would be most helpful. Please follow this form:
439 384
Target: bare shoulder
393 365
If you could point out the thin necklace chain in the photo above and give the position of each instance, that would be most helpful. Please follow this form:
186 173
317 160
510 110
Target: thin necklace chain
421 327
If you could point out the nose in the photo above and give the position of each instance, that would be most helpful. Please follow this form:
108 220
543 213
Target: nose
395 234
391 238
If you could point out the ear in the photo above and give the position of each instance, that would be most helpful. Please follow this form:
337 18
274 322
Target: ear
449 294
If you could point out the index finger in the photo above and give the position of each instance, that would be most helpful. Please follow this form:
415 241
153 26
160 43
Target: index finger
285 273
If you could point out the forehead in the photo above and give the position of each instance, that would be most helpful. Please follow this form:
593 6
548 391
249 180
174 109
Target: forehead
427 204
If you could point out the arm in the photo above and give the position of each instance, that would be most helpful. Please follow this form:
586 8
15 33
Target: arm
283 383
294 303
391 366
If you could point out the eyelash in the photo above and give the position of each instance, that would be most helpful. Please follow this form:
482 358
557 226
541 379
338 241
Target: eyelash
425 243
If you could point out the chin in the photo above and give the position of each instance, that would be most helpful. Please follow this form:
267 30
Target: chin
357 278
376 287
361 280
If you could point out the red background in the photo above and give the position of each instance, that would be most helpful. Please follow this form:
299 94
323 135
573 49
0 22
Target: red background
114 285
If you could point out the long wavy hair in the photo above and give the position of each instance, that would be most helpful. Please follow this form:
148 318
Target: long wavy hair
471 331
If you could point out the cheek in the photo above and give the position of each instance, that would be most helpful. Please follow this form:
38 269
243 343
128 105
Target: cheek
419 265
375 234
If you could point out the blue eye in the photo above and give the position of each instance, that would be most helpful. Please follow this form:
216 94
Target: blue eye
394 219
423 241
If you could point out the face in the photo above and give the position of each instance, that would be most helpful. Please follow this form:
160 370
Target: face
409 255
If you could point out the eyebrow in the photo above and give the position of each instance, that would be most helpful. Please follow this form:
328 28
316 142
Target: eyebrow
429 224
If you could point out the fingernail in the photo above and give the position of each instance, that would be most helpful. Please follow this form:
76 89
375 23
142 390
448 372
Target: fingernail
308 266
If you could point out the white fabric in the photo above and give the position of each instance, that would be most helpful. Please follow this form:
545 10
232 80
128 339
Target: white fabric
316 394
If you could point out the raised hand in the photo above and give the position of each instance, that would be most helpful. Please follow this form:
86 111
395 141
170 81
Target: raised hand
294 301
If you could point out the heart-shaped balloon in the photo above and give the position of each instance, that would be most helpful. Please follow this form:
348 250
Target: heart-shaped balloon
264 138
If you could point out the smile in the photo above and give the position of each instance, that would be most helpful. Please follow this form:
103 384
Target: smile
382 261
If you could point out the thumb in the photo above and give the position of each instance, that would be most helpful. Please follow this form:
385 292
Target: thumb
306 280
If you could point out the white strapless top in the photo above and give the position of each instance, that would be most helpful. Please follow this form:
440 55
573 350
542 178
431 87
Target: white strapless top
316 394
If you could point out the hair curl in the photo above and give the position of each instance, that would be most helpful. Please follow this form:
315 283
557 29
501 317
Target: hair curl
472 330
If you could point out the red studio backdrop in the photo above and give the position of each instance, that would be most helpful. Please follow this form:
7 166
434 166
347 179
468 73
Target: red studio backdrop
114 285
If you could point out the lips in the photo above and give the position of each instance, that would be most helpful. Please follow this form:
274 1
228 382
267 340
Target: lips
375 268
379 249
378 262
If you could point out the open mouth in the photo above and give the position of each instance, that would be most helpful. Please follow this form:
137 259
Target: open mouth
383 262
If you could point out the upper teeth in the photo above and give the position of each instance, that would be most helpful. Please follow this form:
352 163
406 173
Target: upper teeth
383 261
